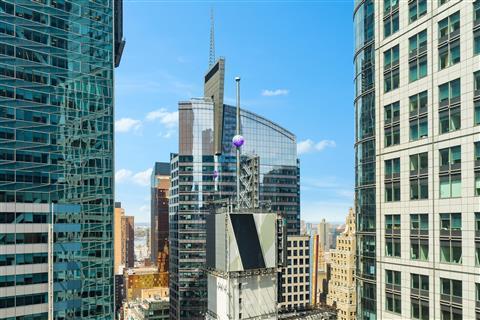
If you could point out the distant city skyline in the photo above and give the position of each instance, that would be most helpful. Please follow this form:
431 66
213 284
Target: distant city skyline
275 84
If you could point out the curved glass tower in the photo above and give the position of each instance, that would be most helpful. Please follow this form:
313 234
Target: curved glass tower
199 176
365 187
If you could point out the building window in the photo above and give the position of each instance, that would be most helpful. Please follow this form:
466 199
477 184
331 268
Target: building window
476 12
392 124
417 48
417 68
476 42
419 297
416 10
450 172
477 295
419 237
392 235
390 19
477 239
449 109
476 164
449 54
418 111
392 180
391 72
393 291
451 237
417 44
450 299
449 27
441 2
419 176
476 95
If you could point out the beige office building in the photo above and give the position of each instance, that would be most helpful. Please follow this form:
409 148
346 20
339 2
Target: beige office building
341 287
296 276
123 235
419 255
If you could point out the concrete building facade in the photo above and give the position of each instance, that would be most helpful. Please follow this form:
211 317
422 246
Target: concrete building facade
295 277
342 285
417 149
160 185
124 239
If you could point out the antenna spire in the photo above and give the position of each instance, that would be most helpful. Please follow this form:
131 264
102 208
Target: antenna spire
211 59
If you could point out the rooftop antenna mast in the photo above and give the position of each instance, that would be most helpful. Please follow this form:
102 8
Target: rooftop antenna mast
211 58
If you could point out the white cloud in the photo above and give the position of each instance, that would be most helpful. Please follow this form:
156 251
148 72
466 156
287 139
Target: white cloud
166 135
142 178
168 119
273 93
325 144
127 125
305 146
122 175
309 145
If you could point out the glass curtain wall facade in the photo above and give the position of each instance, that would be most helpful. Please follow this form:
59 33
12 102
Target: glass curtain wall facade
365 159
195 182
56 159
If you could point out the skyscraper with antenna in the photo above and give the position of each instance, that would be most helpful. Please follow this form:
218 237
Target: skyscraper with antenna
204 170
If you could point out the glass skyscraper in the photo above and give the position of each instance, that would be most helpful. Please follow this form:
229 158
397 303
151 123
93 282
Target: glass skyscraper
199 176
56 157
418 159
365 161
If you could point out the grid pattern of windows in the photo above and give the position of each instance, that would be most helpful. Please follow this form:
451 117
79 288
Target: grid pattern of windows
476 96
23 300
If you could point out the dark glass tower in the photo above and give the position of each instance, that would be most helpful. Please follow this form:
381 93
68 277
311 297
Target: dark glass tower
56 157
365 186
199 176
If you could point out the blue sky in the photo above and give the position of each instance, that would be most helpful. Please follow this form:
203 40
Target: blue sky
295 60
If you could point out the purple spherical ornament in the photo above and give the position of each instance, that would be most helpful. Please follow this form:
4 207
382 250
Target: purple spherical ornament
238 141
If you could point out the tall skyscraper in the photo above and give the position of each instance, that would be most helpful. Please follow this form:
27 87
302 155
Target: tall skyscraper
324 230
124 239
160 185
342 289
56 157
417 81
201 174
